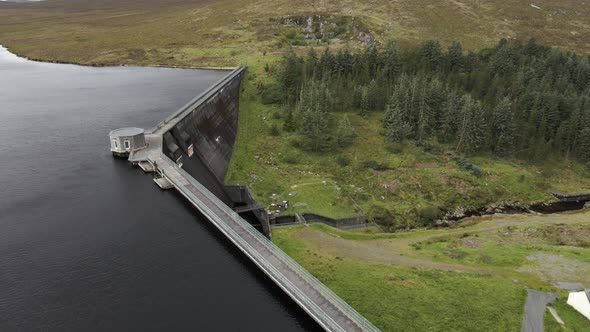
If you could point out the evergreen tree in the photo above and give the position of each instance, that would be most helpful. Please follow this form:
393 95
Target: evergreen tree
431 54
311 63
549 91
584 144
392 61
448 125
316 129
326 63
471 135
455 56
292 77
396 127
502 62
364 105
345 133
503 128
289 125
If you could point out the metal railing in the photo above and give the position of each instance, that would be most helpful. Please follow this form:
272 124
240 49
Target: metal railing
263 263
198 100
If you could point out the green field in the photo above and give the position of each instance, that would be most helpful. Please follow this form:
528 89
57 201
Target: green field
463 278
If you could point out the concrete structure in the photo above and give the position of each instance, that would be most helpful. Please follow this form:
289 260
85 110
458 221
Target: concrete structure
533 319
126 140
178 137
581 302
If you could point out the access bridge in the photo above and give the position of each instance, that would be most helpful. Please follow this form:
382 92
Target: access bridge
325 307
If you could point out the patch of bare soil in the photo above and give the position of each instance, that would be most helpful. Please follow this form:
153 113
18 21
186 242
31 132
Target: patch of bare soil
555 268
469 242
378 251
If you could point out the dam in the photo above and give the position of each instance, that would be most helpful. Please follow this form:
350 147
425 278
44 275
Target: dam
202 133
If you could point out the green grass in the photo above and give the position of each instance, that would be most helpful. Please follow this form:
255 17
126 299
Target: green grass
377 273
573 321
416 179
399 298
509 246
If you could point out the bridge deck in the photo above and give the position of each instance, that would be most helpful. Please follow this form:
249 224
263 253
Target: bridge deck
325 307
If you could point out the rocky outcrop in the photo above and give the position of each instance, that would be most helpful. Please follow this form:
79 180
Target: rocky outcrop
506 207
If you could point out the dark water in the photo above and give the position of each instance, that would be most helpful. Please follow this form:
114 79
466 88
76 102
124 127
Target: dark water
90 243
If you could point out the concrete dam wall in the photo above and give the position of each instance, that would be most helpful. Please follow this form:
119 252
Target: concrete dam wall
203 141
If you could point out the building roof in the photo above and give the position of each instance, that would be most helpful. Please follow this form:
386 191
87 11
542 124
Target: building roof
124 132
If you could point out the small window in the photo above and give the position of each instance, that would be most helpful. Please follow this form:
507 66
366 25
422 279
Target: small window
127 145
115 143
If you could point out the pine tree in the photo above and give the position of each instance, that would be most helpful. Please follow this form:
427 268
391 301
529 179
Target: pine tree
364 106
396 127
471 135
503 128
584 144
316 129
431 54
326 63
345 133
392 61
290 125
423 113
292 77
448 125
311 63
502 62
455 56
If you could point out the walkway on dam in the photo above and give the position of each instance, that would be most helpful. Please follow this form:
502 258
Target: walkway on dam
325 307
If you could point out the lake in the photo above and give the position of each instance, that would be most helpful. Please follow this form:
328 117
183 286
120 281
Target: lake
88 242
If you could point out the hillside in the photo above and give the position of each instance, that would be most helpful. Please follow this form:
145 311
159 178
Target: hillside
205 32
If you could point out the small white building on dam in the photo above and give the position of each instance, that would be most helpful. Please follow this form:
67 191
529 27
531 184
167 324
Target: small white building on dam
126 140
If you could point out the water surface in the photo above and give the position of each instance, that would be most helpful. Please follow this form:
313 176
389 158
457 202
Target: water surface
90 243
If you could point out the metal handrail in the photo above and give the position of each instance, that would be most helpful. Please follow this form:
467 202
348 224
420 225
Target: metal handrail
260 260
199 99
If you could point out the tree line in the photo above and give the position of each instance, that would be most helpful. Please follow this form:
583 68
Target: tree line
516 99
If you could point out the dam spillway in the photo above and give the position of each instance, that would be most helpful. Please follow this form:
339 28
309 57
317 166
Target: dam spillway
205 129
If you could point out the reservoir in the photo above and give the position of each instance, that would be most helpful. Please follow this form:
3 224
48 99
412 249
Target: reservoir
89 243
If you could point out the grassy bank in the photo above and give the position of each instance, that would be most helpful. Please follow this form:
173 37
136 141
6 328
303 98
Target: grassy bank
418 280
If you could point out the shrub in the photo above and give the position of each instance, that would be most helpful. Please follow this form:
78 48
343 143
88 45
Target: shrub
428 215
372 164
290 159
274 130
342 161
474 169
271 94
382 216
394 147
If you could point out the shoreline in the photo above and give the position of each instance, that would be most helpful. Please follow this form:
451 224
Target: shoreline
99 65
